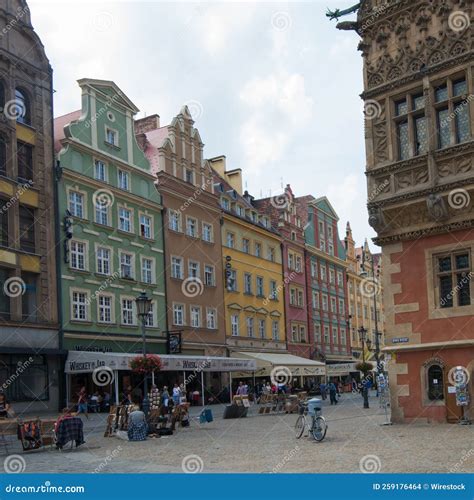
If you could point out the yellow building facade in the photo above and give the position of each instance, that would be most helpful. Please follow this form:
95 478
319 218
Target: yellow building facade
253 277
363 287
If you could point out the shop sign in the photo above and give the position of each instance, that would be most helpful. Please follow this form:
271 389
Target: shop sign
340 368
84 362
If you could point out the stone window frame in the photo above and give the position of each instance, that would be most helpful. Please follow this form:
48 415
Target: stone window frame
410 117
433 361
435 312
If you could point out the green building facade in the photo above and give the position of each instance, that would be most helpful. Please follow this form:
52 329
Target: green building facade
110 217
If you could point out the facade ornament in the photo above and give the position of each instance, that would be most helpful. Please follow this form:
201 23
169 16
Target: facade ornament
437 208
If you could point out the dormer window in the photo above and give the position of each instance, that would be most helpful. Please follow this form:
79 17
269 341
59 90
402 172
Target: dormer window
225 204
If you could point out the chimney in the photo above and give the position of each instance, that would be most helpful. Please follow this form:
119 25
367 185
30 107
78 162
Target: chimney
218 164
147 124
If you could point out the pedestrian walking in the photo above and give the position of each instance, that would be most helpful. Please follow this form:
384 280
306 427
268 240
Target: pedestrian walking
82 402
323 390
176 394
333 393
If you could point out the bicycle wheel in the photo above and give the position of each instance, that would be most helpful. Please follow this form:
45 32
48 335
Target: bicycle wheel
319 428
300 426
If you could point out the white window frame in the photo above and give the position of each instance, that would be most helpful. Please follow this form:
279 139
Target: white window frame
99 247
131 311
207 236
111 297
275 330
192 317
174 217
152 270
86 304
105 170
130 210
196 227
83 203
182 307
123 175
212 274
115 135
235 325
197 265
150 226
174 262
211 318
132 264
85 255
250 325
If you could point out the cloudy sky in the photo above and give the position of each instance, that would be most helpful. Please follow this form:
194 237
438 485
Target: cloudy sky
273 86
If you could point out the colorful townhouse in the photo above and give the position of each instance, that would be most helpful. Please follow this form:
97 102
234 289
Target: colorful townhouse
365 296
192 222
326 272
30 344
283 214
111 240
252 260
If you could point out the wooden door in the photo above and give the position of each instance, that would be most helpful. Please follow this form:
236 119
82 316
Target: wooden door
453 412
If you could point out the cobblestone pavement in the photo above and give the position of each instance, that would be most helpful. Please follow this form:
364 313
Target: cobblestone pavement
266 443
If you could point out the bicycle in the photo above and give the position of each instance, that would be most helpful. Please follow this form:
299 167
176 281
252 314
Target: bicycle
318 427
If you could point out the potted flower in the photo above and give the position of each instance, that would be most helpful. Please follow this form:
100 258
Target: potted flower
146 364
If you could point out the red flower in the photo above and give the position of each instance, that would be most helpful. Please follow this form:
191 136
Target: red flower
146 364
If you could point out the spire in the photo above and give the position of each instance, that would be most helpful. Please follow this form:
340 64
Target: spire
348 230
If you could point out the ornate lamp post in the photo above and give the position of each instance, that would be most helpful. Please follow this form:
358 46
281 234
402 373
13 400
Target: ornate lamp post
364 340
143 310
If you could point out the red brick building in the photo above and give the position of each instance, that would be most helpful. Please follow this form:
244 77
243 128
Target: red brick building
419 92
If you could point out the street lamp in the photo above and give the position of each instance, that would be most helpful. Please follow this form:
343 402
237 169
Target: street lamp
143 311
364 340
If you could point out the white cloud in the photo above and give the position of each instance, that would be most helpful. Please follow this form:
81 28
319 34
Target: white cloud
277 108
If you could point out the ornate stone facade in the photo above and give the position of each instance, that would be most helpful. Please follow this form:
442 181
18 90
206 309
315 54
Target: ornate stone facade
419 93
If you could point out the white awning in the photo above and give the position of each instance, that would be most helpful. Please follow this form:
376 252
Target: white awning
86 362
267 361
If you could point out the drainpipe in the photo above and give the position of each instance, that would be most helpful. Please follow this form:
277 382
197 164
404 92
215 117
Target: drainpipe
164 269
57 239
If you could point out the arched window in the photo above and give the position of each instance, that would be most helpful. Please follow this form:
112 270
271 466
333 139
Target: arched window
435 383
22 111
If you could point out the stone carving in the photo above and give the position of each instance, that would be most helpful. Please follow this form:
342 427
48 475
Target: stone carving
455 166
376 218
437 208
